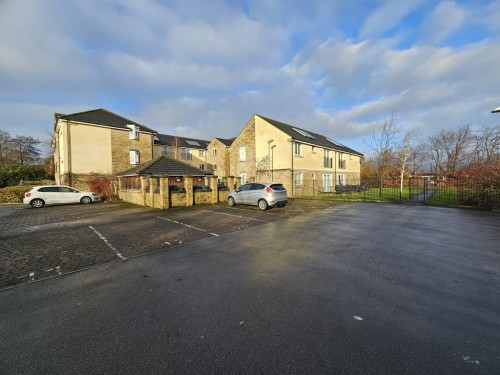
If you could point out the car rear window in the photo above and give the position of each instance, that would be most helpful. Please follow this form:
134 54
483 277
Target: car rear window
277 187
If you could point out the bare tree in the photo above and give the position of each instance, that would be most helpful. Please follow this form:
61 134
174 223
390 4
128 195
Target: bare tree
5 147
403 152
486 145
384 144
25 150
450 149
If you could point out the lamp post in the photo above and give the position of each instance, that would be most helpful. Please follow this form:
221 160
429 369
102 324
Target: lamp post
272 162
269 156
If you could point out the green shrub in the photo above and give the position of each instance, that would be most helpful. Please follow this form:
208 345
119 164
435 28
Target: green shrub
12 176
14 194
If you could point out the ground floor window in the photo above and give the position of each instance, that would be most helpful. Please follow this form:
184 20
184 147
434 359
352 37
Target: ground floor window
341 179
327 183
243 178
131 183
298 179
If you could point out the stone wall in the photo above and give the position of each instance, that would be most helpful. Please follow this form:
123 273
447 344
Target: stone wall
121 145
247 139
155 196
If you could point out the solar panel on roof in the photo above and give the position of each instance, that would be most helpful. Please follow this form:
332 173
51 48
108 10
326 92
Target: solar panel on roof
335 143
304 133
192 143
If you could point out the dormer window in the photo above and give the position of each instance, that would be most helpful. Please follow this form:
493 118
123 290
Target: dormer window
133 132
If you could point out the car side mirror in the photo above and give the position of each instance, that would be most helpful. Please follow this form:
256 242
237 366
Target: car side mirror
237 190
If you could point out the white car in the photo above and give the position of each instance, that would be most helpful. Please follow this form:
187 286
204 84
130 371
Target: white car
39 196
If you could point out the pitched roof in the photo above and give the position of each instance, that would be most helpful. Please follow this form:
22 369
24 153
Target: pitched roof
310 137
164 165
174 140
227 142
103 117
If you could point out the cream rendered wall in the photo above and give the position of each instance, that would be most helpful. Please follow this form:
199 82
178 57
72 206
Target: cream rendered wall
281 156
90 149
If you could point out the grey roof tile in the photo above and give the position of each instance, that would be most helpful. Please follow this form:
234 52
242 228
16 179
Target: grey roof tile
103 117
316 139
164 165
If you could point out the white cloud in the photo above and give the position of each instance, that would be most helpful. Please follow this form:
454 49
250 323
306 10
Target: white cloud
203 68
446 18
387 16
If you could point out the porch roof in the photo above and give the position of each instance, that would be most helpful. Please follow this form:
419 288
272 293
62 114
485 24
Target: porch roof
163 165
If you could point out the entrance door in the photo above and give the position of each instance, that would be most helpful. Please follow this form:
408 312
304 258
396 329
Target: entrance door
327 183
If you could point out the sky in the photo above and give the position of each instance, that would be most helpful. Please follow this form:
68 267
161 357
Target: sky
202 68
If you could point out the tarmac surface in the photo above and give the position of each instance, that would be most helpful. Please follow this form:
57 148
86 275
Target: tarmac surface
36 244
353 289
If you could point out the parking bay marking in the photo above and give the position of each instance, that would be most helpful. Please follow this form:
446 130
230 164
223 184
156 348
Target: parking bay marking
243 217
187 225
118 254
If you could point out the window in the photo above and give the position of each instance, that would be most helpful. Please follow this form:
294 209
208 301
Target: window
243 178
49 189
134 156
341 179
201 153
214 167
313 149
243 153
202 167
327 160
341 161
214 152
186 154
297 148
257 186
298 179
133 132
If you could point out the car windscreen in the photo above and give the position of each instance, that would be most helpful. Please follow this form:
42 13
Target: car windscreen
277 187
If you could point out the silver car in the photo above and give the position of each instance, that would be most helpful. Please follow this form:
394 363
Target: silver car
263 194
39 196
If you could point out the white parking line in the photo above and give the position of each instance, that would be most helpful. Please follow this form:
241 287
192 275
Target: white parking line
243 217
187 225
118 254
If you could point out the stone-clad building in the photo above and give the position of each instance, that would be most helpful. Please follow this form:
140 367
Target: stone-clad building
97 141
307 163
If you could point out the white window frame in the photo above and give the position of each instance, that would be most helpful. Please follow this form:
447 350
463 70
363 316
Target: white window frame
133 132
243 177
243 153
202 167
134 156
201 153
297 149
186 153
214 152
214 166
298 178
327 182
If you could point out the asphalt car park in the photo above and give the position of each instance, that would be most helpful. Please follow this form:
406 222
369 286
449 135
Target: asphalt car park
362 288
37 244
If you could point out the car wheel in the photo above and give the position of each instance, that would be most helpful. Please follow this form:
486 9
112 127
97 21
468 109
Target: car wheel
37 203
85 200
231 201
263 205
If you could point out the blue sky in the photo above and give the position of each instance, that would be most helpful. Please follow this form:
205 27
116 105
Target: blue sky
201 69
